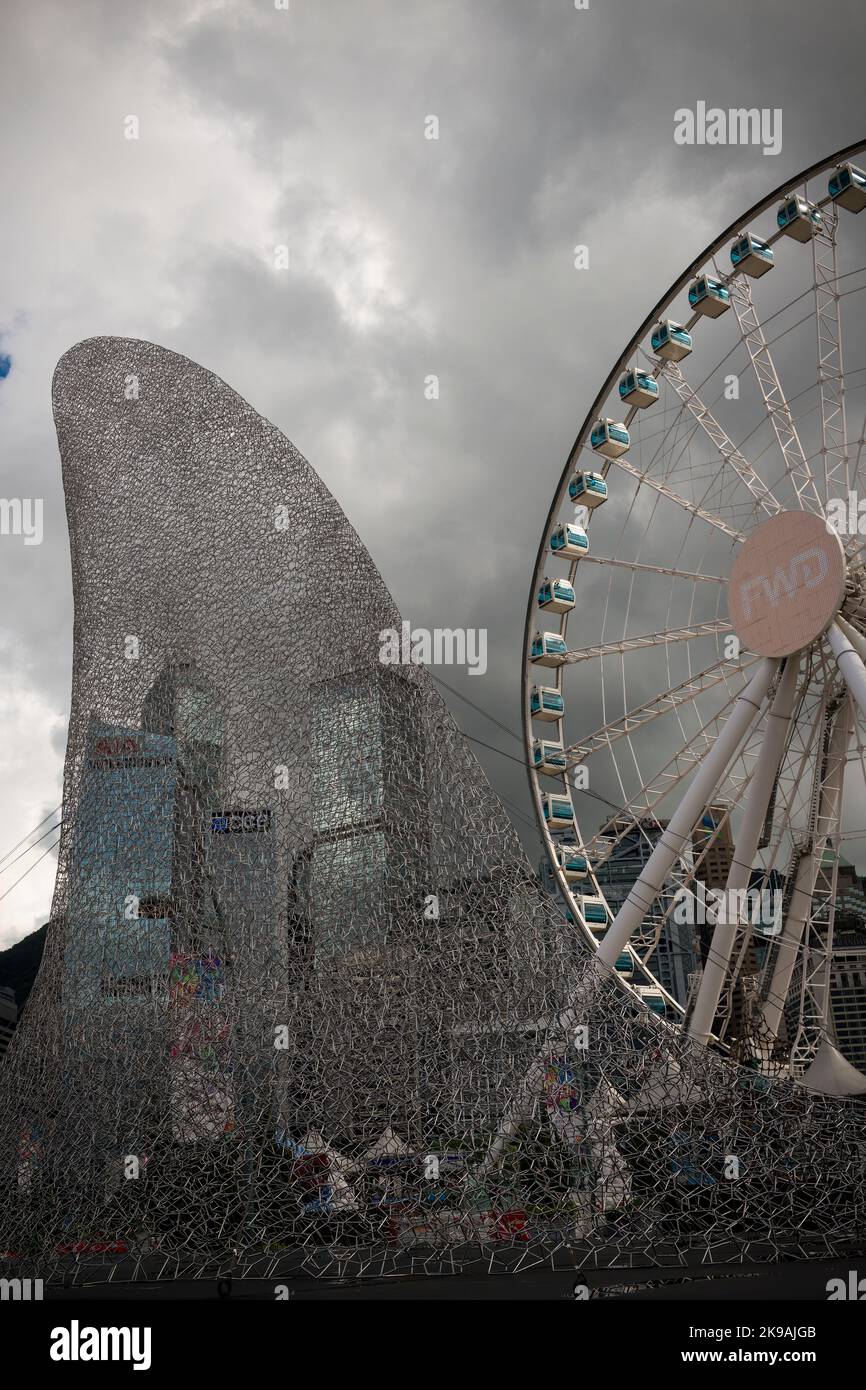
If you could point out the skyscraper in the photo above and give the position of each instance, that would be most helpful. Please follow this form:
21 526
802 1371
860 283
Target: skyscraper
182 705
117 940
368 859
848 993
8 1016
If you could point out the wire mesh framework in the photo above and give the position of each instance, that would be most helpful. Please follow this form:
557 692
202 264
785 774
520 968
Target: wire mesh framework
303 1003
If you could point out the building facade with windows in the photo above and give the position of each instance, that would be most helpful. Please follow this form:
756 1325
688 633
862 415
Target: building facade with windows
8 1016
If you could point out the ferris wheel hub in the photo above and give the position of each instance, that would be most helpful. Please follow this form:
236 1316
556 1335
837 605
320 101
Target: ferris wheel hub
787 584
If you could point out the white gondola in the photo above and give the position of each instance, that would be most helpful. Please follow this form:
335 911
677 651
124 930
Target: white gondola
570 539
752 255
610 438
548 649
671 341
624 965
589 489
545 702
798 218
638 389
847 187
709 296
594 911
557 810
556 595
549 756
653 998
571 861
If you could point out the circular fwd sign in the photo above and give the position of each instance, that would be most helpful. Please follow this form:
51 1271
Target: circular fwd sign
787 584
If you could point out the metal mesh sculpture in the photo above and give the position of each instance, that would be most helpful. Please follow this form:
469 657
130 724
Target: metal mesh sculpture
304 1004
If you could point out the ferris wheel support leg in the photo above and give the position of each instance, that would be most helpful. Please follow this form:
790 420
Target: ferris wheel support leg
710 772
829 807
849 660
857 640
725 933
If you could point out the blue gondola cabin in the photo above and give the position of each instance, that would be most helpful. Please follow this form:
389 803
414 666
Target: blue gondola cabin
798 218
558 811
548 649
589 489
556 596
638 389
847 187
549 757
671 341
570 539
625 965
709 296
752 255
610 438
653 998
545 702
572 862
594 911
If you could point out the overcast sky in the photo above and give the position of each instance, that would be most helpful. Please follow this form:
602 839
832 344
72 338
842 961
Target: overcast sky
261 127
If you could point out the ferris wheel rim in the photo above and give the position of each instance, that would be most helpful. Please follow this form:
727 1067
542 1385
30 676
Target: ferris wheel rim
696 266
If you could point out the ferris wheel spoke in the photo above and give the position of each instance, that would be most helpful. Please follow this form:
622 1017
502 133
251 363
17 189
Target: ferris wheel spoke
650 569
831 375
745 850
641 476
775 403
671 458
672 840
683 693
718 436
640 807
859 441
638 813
651 639
799 908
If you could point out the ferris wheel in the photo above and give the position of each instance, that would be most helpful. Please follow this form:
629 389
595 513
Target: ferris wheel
694 680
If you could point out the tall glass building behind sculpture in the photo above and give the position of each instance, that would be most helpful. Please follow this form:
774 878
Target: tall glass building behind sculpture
118 942
369 786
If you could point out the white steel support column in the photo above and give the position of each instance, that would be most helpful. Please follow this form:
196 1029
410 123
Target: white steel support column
857 640
710 772
725 933
829 807
849 660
